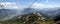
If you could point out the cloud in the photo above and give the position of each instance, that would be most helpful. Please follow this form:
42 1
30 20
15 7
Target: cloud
9 5
39 5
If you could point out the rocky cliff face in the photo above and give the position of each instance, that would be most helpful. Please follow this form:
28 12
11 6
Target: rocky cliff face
31 18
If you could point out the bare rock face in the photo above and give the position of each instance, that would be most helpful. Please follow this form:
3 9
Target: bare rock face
31 18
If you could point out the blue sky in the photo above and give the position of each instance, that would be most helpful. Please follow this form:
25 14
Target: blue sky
38 4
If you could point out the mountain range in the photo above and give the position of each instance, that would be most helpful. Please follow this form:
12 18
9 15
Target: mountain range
13 13
47 12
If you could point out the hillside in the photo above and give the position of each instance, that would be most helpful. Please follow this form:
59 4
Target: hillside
31 18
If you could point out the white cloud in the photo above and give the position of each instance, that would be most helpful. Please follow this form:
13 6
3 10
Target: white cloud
9 5
39 5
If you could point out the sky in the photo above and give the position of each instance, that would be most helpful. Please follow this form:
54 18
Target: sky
21 4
